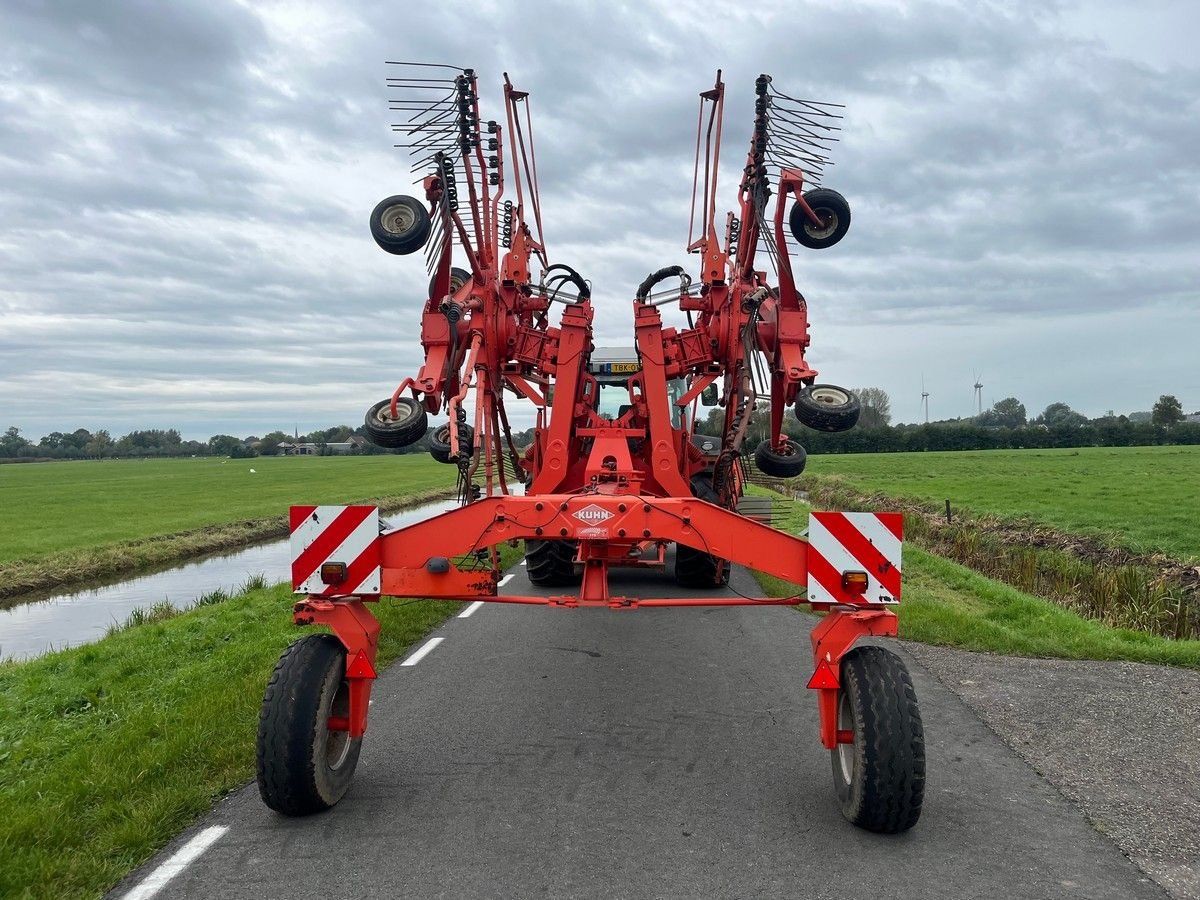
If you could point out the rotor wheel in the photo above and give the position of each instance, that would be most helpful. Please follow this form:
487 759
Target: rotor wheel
695 568
827 407
400 224
408 425
303 765
880 775
785 461
833 211
551 563
458 277
439 442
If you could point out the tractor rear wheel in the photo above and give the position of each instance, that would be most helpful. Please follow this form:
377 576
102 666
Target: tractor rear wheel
304 766
695 568
785 461
551 563
833 211
408 425
880 776
400 224
827 407
439 442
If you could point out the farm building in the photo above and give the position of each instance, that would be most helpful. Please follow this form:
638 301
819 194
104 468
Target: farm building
307 449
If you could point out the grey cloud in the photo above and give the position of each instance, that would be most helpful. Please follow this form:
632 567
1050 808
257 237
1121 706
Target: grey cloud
183 54
183 192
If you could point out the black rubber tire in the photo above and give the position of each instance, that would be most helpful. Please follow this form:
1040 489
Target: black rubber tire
551 563
785 461
827 407
695 568
400 224
410 424
458 277
302 766
880 777
439 442
832 208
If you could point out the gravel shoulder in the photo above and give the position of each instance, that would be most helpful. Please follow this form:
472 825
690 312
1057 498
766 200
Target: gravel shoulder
1121 740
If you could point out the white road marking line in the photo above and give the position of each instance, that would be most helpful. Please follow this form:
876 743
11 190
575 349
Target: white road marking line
466 613
506 579
423 652
183 857
523 562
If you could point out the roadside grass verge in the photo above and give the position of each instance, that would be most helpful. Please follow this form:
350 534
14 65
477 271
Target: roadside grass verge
109 750
78 566
948 604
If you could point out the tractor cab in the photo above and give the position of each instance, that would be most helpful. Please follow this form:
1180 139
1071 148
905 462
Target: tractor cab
612 367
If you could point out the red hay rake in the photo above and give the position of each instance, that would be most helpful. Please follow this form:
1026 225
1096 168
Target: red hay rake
605 483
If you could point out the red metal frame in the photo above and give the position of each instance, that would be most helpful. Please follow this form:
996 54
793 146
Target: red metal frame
615 487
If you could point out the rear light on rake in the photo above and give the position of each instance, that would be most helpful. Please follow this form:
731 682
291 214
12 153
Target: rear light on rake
333 572
854 582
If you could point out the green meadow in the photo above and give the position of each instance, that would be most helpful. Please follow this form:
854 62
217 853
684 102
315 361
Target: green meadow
51 507
66 523
1144 499
949 604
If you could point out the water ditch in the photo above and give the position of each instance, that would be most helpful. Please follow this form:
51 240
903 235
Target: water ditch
68 619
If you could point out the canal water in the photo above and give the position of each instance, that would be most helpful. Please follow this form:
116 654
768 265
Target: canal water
80 617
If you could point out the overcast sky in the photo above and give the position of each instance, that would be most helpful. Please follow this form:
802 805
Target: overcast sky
184 192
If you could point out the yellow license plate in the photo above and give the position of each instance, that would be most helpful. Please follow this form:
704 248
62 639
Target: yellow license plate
623 367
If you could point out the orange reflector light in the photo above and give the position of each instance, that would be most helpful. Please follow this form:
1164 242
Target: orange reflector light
854 582
333 572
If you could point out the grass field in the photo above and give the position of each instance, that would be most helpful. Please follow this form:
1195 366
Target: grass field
1142 498
65 524
53 507
948 604
109 750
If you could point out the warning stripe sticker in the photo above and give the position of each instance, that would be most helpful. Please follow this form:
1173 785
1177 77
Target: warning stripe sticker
344 534
854 542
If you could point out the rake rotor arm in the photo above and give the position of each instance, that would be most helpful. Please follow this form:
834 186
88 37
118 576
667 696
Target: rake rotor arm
494 322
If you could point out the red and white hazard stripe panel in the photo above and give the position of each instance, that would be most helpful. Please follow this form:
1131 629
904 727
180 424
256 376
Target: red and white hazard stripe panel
854 542
335 534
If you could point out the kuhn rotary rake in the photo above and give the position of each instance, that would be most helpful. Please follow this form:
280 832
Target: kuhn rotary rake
616 473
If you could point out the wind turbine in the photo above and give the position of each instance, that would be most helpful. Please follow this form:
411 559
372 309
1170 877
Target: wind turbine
925 399
978 396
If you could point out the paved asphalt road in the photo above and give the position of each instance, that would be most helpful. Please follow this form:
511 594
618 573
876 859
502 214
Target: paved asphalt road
655 753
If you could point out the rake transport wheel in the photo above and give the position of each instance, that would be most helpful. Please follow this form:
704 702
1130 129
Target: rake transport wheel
400 224
439 442
695 568
304 766
827 407
409 424
551 563
785 461
833 211
880 776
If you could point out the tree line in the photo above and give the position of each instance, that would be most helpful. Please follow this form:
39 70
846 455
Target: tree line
1005 426
84 444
